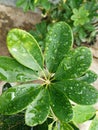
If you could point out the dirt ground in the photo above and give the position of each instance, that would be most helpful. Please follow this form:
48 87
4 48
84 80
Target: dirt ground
11 17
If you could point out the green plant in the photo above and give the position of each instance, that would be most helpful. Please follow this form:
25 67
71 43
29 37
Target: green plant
80 15
32 4
47 82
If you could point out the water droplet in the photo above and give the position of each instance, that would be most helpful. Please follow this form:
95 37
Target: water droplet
55 35
12 95
77 85
55 51
64 89
75 75
39 116
47 108
82 57
52 57
20 76
53 105
80 92
87 75
66 67
14 49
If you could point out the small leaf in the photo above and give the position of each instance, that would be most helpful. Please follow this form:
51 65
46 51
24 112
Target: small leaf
78 91
25 49
60 104
38 110
94 124
17 98
89 77
20 2
12 71
83 113
58 42
74 64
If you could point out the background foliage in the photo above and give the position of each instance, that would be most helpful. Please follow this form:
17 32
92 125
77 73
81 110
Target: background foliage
81 15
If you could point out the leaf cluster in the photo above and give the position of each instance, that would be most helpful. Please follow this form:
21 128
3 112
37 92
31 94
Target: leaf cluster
49 83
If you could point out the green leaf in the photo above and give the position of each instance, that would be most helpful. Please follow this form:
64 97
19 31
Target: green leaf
60 126
83 113
94 124
88 77
25 49
58 42
45 4
74 3
60 104
75 64
17 98
80 17
66 126
78 91
12 71
38 110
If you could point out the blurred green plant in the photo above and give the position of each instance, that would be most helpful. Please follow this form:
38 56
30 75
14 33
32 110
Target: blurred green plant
48 81
81 15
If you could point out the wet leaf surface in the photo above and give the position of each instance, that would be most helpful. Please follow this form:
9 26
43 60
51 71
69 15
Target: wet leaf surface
83 113
78 91
25 49
17 98
60 104
12 71
38 110
88 77
58 42
75 64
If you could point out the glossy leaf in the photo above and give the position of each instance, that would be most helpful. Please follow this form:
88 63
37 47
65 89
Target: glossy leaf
83 113
38 110
78 91
94 124
75 64
89 77
60 104
17 98
58 42
12 71
25 49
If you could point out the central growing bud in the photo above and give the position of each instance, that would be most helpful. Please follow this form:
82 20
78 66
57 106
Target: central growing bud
47 82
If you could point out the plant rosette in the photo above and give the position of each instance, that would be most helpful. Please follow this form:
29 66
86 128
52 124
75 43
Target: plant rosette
47 83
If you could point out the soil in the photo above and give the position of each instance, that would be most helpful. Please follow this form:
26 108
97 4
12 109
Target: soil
11 17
